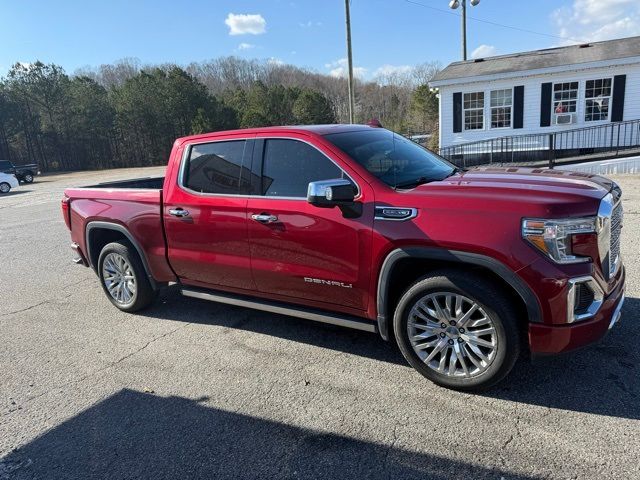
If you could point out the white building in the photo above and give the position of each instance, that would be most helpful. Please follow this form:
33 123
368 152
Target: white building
543 91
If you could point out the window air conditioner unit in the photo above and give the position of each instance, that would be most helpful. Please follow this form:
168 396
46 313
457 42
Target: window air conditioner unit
564 119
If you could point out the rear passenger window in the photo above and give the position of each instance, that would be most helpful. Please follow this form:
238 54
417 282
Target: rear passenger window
217 168
289 166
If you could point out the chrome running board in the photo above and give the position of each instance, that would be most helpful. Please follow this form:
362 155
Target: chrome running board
316 315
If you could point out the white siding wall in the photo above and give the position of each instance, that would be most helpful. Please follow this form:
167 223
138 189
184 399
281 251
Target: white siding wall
532 85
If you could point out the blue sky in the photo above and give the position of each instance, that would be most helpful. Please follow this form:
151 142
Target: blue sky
387 34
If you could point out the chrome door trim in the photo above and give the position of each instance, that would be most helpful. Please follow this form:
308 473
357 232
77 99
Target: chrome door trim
187 150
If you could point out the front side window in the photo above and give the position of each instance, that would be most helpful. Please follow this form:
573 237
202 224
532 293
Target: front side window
501 104
473 105
565 97
216 168
290 165
597 99
395 160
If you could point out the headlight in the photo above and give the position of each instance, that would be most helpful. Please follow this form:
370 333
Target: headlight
553 237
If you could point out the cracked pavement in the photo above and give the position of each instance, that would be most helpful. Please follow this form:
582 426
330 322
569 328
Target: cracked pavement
191 389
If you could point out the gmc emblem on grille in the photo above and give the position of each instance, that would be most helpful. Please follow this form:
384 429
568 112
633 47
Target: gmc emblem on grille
332 283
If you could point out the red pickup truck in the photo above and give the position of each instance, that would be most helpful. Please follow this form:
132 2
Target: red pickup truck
357 226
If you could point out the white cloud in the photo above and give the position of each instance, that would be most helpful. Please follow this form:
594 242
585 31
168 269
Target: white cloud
389 70
246 46
484 51
275 61
240 24
310 24
595 20
340 68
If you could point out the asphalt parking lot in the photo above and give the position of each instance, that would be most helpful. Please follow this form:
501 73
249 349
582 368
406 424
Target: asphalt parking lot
191 389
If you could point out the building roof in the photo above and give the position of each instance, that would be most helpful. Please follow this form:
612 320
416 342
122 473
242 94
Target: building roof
540 59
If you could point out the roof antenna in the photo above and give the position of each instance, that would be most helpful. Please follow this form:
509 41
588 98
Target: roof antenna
374 122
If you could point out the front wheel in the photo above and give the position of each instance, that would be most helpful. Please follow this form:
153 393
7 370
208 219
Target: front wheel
124 278
458 330
5 187
28 178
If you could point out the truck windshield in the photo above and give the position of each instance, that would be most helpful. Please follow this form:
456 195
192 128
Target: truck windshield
397 161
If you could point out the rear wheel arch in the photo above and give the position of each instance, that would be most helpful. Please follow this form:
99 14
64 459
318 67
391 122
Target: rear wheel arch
421 260
98 234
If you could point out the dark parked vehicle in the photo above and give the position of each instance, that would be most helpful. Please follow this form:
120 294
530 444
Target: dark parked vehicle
24 173
360 227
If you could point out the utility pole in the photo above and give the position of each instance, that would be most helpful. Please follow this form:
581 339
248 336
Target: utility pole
350 63
464 29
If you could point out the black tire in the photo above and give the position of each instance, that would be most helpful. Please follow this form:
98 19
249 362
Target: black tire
4 188
143 294
28 177
492 304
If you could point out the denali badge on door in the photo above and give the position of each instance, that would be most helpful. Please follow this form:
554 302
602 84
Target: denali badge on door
333 283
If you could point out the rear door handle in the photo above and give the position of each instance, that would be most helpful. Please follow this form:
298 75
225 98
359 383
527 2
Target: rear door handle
264 218
179 212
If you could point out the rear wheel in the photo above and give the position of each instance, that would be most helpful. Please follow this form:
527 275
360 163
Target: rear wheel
5 187
123 277
28 178
458 330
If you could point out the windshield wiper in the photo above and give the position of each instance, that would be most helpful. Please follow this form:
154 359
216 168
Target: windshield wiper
454 171
413 183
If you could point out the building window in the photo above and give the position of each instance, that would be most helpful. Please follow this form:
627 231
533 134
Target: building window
473 111
597 99
501 103
565 97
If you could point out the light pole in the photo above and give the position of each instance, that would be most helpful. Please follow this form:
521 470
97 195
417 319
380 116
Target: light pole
350 63
453 4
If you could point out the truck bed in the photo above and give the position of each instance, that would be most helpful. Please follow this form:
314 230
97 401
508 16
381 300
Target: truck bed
144 182
132 205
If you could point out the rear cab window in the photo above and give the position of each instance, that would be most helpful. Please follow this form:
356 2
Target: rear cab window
221 167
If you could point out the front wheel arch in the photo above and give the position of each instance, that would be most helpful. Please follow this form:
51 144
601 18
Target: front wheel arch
431 258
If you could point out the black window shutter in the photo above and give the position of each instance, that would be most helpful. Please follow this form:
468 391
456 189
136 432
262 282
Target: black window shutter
518 106
457 112
617 107
545 105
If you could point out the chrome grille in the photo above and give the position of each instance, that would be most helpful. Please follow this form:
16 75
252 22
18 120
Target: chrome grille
616 227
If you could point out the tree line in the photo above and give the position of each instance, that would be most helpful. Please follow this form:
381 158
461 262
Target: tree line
125 114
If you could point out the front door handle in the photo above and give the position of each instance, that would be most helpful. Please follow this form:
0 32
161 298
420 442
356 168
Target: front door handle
179 212
264 218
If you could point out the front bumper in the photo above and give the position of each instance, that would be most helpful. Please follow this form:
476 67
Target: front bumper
551 339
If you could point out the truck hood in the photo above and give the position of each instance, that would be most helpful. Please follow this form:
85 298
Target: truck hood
531 190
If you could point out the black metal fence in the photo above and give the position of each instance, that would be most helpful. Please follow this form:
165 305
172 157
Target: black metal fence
611 139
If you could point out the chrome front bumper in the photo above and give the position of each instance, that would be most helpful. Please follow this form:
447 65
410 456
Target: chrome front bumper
617 313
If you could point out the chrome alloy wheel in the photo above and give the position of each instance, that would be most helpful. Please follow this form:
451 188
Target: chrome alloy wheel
452 334
5 187
119 279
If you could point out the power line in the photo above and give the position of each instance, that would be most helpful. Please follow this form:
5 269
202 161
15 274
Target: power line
442 10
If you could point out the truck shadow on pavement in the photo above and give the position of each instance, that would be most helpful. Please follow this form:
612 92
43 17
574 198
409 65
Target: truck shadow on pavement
602 379
139 435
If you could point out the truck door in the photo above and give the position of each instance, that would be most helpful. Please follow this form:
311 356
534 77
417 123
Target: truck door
205 214
299 251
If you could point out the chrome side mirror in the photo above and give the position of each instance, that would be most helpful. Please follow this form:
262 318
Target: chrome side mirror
331 193
338 192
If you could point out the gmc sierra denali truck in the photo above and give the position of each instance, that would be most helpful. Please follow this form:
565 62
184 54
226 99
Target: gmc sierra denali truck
357 226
